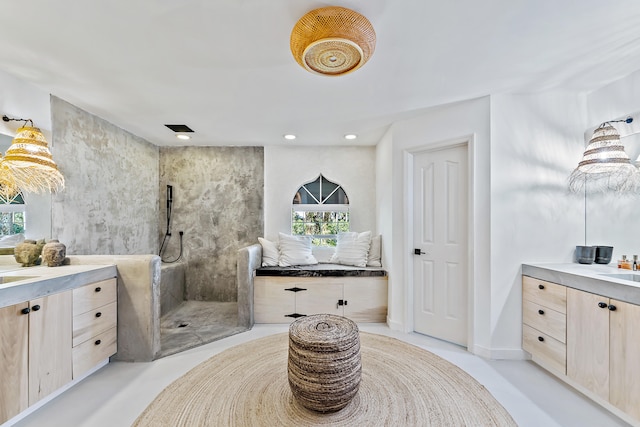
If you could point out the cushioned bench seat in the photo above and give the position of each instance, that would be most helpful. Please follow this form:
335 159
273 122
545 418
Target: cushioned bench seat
321 270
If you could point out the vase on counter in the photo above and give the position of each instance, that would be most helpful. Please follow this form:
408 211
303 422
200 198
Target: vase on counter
28 252
53 253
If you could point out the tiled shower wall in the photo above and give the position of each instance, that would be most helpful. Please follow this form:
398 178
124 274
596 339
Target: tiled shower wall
110 203
218 204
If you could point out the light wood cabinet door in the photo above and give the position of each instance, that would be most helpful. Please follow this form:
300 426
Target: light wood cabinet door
50 343
321 297
588 341
14 360
272 301
625 357
366 299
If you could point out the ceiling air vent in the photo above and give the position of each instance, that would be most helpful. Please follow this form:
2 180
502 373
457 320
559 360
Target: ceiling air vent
179 128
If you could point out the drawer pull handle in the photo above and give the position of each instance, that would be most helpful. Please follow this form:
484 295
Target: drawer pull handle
602 304
35 307
540 286
98 289
540 339
25 310
98 342
541 312
612 307
98 314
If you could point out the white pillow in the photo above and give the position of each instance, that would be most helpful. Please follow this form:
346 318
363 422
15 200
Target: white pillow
295 250
375 252
352 249
323 253
270 253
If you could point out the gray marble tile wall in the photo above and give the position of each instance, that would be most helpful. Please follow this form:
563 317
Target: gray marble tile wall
110 203
218 197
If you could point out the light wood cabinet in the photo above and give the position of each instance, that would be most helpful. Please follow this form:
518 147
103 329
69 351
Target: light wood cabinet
544 308
604 356
588 341
36 351
624 353
49 345
14 360
95 319
47 342
283 299
601 349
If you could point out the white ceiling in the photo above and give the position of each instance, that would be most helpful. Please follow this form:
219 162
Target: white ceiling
224 68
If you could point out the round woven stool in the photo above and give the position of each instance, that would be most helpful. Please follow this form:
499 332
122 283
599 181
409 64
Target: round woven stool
324 366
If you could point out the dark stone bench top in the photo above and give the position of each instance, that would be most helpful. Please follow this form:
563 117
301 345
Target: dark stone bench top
321 270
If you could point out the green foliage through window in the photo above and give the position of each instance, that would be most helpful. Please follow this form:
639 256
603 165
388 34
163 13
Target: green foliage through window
11 223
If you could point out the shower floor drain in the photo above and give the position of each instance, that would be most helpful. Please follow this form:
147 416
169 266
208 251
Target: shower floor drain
183 325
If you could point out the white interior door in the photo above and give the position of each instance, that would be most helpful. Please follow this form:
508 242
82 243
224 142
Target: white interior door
440 194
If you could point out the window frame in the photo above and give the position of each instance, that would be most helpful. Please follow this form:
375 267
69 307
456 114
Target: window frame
323 240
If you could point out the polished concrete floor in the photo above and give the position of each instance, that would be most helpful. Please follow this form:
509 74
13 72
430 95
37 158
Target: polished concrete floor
115 395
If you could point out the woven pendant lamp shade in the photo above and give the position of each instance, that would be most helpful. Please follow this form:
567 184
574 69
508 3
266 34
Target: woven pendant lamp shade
332 41
605 166
30 163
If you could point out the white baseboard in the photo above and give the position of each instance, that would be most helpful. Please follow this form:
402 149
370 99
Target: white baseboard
395 326
499 353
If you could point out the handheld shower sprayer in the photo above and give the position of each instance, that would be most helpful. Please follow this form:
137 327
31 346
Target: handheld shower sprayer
169 204
168 233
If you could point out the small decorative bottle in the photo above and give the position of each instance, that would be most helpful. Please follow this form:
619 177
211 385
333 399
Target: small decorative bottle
635 263
624 263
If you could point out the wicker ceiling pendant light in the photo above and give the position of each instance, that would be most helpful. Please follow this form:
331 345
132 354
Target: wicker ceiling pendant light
332 41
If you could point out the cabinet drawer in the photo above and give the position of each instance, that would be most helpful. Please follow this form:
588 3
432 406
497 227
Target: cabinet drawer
551 322
545 293
549 351
91 323
93 296
91 352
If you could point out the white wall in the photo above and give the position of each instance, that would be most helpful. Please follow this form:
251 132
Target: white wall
463 120
536 141
287 168
611 218
384 215
21 100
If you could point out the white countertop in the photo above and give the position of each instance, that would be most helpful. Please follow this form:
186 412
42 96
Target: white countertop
40 281
594 278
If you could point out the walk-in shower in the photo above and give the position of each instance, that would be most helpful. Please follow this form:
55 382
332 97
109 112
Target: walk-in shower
186 323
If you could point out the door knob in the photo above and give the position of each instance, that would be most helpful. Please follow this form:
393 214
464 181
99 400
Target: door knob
418 251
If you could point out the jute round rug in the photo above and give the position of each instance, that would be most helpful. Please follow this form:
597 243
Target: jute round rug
402 385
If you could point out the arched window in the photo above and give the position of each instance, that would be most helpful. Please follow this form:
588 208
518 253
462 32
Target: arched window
321 210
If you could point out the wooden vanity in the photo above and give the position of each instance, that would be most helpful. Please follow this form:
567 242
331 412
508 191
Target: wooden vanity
582 323
57 325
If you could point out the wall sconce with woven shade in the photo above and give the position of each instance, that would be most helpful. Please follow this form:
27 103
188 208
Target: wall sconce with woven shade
605 166
332 41
28 165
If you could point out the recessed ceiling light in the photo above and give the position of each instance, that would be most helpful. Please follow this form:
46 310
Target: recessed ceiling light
350 136
183 136
290 137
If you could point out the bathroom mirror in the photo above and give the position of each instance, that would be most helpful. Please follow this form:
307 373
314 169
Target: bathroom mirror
37 207
613 219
